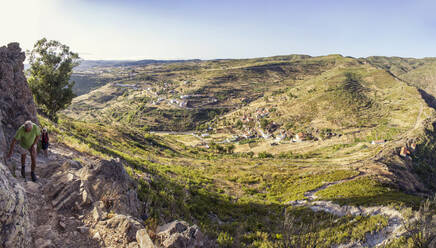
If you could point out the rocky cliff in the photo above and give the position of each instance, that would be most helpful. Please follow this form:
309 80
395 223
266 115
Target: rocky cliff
16 100
16 106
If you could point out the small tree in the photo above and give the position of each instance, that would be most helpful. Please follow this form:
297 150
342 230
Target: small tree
51 65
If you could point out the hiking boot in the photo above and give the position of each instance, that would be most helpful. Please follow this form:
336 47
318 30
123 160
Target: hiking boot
23 172
32 174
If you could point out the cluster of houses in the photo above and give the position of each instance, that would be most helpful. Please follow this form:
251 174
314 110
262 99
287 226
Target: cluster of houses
199 99
259 114
408 150
158 101
179 103
282 135
268 131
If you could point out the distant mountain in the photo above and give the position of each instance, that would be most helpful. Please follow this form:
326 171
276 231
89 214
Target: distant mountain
87 64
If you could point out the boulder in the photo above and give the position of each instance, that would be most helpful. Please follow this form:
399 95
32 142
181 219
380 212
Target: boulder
143 239
178 234
14 215
125 225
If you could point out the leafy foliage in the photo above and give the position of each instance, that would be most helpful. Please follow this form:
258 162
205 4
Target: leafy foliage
51 65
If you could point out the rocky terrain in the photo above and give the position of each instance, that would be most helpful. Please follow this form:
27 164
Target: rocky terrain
16 99
73 204
16 106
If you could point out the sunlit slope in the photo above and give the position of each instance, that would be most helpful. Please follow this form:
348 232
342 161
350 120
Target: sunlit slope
418 72
214 87
351 96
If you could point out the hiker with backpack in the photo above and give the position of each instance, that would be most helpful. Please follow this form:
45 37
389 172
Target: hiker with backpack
45 142
27 137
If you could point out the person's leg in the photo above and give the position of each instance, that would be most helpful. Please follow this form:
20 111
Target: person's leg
33 158
23 160
23 152
23 165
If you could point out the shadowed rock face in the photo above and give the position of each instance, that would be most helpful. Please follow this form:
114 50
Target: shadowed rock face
16 100
14 215
16 106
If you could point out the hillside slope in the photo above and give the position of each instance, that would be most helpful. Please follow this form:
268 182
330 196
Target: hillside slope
182 95
338 145
417 72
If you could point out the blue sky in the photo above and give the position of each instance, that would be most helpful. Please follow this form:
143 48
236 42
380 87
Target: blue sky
164 29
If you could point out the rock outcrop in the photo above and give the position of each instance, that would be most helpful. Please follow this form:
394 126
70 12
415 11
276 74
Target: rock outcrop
178 234
104 196
14 215
16 106
16 100
102 193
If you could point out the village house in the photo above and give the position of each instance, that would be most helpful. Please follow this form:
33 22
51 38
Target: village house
299 137
261 113
404 152
378 142
413 147
281 136
249 135
264 135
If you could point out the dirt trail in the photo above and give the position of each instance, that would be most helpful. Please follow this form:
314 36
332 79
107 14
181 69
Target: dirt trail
50 226
311 194
375 239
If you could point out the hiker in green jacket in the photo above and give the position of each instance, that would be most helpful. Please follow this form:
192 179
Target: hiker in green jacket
27 137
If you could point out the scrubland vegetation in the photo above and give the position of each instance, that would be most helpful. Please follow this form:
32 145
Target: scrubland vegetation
238 168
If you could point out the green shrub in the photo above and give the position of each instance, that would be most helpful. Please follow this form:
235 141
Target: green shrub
225 240
265 155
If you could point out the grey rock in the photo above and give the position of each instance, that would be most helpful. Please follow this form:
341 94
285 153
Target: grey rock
98 212
133 245
97 236
44 243
179 234
125 225
62 225
83 229
16 106
16 99
143 239
14 214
